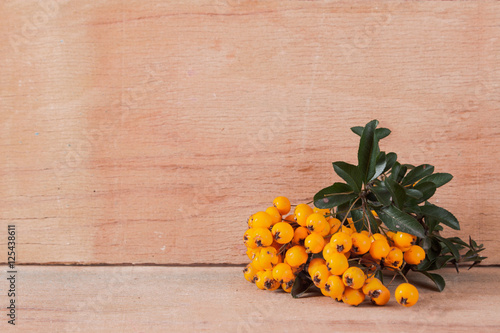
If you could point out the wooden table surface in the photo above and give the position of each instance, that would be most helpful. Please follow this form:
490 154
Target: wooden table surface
219 299
146 132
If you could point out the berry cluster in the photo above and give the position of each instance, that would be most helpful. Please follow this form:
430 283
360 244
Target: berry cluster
313 244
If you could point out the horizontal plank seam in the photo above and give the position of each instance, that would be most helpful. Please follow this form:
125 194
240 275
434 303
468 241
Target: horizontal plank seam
162 265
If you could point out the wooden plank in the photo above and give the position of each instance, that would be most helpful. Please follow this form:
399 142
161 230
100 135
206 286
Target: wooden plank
187 299
147 132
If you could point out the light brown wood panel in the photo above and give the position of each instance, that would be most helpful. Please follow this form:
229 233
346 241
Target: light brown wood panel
147 132
187 299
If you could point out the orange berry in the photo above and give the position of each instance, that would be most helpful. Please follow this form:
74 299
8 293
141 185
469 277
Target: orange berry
263 237
296 256
260 280
275 215
334 286
269 282
381 296
282 232
403 240
249 238
323 212
377 236
394 258
314 243
379 249
354 277
268 257
360 243
250 273
316 222
342 241
371 285
283 273
320 276
337 263
313 264
302 212
353 296
329 249
406 294
415 255
335 225
282 204
300 235
262 220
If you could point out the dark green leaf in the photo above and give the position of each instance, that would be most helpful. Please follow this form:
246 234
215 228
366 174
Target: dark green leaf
458 241
441 215
425 265
379 165
373 222
396 221
426 243
357 130
402 173
427 188
441 261
391 159
350 173
357 218
439 179
382 133
396 168
430 222
381 193
416 194
301 284
397 191
417 173
367 152
450 247
379 275
334 195
436 278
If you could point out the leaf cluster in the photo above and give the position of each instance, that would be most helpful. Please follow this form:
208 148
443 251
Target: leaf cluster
380 194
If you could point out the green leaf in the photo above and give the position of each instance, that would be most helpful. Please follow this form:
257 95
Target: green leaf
427 188
396 221
397 191
357 218
357 130
367 152
441 215
418 173
436 278
395 171
380 132
391 159
450 247
415 194
379 275
335 195
379 165
373 222
381 193
301 285
401 174
439 179
350 173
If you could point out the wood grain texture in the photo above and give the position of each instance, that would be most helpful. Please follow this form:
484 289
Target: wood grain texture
147 132
188 299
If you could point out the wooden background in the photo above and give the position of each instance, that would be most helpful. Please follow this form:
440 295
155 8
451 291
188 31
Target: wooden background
148 131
